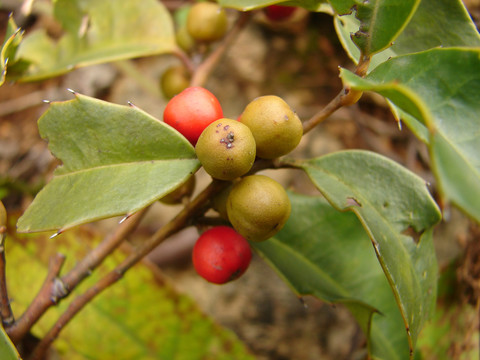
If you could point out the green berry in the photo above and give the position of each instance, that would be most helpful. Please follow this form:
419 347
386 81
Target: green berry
275 126
226 149
184 39
174 80
207 21
258 207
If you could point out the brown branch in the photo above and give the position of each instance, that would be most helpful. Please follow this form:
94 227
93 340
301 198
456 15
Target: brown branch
323 114
183 57
5 310
183 219
345 97
203 71
40 303
105 248
53 290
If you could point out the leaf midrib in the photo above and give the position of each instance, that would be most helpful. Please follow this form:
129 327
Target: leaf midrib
367 228
60 170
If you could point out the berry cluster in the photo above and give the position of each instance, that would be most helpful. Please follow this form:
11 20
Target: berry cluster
206 22
256 206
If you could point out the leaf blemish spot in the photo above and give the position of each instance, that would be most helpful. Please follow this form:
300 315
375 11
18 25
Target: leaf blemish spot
353 202
412 233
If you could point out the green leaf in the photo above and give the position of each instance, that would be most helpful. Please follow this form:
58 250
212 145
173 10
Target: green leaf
439 89
97 32
116 160
13 37
375 25
395 207
140 317
327 254
7 349
452 27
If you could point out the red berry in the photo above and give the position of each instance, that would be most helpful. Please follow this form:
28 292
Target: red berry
191 111
221 255
278 12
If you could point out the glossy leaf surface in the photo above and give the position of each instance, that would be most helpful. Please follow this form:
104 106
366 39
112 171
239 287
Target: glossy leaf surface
97 32
116 160
453 26
327 254
438 92
398 214
140 317
380 21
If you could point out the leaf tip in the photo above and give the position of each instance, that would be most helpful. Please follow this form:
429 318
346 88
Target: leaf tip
124 218
72 91
56 234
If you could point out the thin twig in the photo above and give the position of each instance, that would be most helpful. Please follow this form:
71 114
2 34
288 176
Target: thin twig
203 71
343 98
40 303
5 310
53 291
323 114
183 57
105 248
183 218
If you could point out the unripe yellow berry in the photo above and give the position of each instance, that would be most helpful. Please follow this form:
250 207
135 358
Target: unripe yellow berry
226 149
275 126
258 207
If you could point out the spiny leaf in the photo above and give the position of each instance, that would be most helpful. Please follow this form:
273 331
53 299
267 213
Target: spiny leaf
327 254
393 204
438 94
453 26
378 22
116 160
97 32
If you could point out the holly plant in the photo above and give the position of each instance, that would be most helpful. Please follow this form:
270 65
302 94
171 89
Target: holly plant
364 242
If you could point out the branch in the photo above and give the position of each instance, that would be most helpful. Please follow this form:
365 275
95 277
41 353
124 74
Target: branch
183 57
345 97
183 219
54 289
40 303
105 248
323 114
203 71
